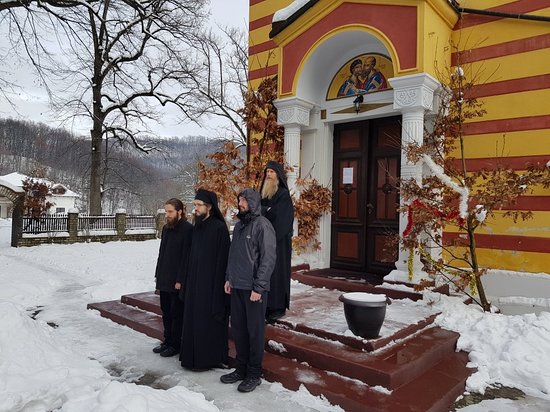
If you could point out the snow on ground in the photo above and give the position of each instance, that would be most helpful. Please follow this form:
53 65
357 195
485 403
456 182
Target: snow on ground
56 355
70 359
507 350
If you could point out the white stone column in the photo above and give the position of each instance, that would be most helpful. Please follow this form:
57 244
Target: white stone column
413 96
293 114
292 154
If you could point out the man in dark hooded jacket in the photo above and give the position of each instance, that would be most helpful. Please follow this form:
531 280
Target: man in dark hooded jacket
251 262
174 250
278 209
206 314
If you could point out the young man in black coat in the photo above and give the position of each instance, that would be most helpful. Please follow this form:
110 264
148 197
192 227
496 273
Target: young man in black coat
251 262
278 209
206 316
174 250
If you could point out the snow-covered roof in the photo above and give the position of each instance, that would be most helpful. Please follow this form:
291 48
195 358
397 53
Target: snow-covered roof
10 185
288 11
14 181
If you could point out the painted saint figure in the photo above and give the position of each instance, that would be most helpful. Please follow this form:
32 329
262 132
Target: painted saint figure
371 78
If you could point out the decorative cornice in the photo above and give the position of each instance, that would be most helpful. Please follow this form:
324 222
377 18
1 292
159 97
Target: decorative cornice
414 92
293 111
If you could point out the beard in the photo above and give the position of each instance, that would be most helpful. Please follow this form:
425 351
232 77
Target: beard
269 188
199 218
171 222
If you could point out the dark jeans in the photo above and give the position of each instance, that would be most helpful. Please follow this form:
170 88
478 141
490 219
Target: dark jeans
172 318
247 328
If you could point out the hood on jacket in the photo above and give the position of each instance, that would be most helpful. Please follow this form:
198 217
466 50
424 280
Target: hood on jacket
253 198
279 169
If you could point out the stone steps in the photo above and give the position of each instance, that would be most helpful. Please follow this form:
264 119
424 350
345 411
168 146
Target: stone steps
422 370
390 368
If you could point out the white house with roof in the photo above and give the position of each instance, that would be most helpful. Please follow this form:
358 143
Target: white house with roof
60 195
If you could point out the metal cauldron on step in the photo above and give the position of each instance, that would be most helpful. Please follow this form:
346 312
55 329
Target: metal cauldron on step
365 312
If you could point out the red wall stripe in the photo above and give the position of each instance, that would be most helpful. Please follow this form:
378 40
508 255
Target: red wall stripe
508 125
502 49
505 242
517 7
263 72
258 48
533 203
398 23
253 2
513 162
523 84
264 21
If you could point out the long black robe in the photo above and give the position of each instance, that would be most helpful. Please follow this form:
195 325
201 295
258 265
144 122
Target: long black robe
173 254
206 313
280 212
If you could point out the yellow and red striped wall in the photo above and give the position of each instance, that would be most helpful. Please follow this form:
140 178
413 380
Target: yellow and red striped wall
511 58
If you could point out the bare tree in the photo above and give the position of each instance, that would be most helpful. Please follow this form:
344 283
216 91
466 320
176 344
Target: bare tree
120 63
221 85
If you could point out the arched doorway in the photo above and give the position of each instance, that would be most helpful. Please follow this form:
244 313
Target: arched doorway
15 195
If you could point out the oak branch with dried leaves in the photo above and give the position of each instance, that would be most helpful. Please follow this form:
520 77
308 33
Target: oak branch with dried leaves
456 199
227 172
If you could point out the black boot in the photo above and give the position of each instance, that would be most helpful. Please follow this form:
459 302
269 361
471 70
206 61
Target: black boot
232 377
169 351
249 384
160 348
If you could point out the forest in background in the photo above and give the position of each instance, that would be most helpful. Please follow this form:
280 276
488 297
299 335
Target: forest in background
136 181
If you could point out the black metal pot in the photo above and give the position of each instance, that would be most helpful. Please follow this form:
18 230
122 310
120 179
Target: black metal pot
365 312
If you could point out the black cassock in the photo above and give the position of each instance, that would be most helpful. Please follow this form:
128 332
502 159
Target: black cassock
280 212
206 313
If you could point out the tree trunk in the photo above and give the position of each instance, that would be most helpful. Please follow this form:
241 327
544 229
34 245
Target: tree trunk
95 171
96 155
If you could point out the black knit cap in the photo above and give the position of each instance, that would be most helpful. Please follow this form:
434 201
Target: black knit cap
210 198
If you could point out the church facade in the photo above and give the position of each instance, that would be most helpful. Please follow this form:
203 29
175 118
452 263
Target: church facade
326 53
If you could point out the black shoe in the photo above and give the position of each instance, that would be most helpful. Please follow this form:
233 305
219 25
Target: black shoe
272 316
169 351
232 377
249 384
160 348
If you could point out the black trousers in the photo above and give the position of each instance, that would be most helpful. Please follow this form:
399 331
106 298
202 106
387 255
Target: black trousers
248 328
172 318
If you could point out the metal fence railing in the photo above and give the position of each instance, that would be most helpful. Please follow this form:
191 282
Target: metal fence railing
45 224
96 223
140 222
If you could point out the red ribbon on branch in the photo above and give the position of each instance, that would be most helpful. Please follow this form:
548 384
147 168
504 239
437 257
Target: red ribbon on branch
416 204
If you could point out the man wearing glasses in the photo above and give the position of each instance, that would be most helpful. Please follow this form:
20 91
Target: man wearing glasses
206 311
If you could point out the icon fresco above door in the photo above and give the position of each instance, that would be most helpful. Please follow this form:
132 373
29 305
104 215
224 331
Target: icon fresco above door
365 73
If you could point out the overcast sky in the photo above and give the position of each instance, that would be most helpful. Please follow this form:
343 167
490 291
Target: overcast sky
32 101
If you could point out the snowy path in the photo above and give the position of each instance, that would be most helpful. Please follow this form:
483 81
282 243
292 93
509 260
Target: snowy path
60 366
81 362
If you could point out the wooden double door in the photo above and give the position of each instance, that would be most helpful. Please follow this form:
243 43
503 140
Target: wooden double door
365 220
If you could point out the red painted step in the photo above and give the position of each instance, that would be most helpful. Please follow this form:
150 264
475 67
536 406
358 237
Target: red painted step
390 368
145 322
425 372
148 301
321 278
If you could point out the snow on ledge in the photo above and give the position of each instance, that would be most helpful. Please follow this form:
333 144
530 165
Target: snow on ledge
289 10
277 346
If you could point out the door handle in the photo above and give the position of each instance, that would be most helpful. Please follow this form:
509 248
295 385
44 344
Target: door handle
370 208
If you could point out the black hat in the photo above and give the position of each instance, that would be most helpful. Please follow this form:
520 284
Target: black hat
210 198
